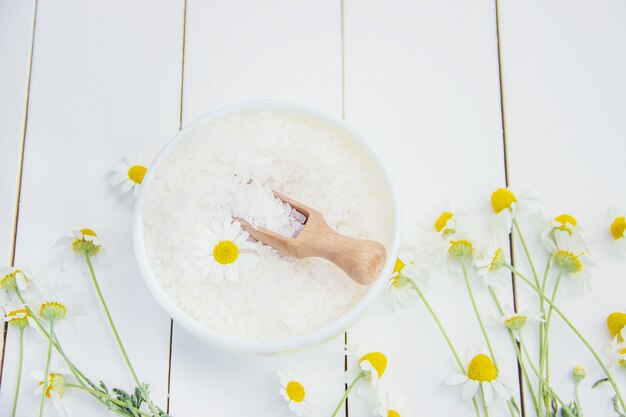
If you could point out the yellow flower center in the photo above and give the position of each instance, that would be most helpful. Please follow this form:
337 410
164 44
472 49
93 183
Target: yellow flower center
8 282
18 318
52 310
615 322
397 268
392 413
565 220
225 252
482 369
442 221
497 261
378 361
622 362
568 262
88 232
502 199
56 383
618 227
136 173
515 322
295 391
461 249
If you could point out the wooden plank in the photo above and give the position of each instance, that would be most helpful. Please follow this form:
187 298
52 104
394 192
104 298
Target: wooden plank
105 83
565 96
16 29
238 51
422 83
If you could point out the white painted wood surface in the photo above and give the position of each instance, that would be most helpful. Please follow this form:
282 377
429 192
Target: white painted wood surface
420 79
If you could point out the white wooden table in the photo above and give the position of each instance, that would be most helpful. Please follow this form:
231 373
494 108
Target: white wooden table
460 98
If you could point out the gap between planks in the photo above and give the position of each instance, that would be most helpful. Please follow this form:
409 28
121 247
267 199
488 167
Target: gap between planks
180 126
20 172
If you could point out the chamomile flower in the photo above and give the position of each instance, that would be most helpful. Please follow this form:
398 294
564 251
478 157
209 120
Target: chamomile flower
506 206
295 390
389 406
56 385
128 175
369 366
460 250
401 293
73 249
572 259
225 253
515 321
481 374
490 265
616 323
13 278
618 230
563 222
438 231
616 354
61 304
17 315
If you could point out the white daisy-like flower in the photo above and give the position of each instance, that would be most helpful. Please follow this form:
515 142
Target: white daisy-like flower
225 252
618 230
389 406
572 259
515 321
17 315
507 206
401 293
616 323
14 278
56 385
437 233
460 249
490 265
370 366
616 354
73 249
563 222
482 375
61 304
295 389
128 175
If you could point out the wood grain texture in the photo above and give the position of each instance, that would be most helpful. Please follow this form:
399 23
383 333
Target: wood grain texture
105 83
240 51
422 84
565 95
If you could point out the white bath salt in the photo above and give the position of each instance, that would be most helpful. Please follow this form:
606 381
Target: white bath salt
256 204
205 178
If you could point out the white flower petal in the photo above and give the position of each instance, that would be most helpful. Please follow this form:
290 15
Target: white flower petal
469 389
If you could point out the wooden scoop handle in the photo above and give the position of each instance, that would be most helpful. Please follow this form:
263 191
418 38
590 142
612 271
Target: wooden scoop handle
361 259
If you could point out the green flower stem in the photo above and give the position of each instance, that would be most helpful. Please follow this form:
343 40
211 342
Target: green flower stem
579 407
111 399
444 333
478 317
57 346
550 390
545 349
80 377
19 373
578 334
542 324
46 378
482 394
117 337
509 403
457 358
345 394
517 351
526 251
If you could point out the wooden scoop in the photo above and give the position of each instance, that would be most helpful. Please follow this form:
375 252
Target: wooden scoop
361 259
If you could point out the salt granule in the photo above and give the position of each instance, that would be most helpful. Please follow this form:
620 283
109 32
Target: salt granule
205 179
256 204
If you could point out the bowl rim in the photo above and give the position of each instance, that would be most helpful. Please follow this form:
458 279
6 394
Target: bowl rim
264 347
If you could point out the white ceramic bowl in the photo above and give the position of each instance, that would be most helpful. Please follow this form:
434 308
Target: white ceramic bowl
263 347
